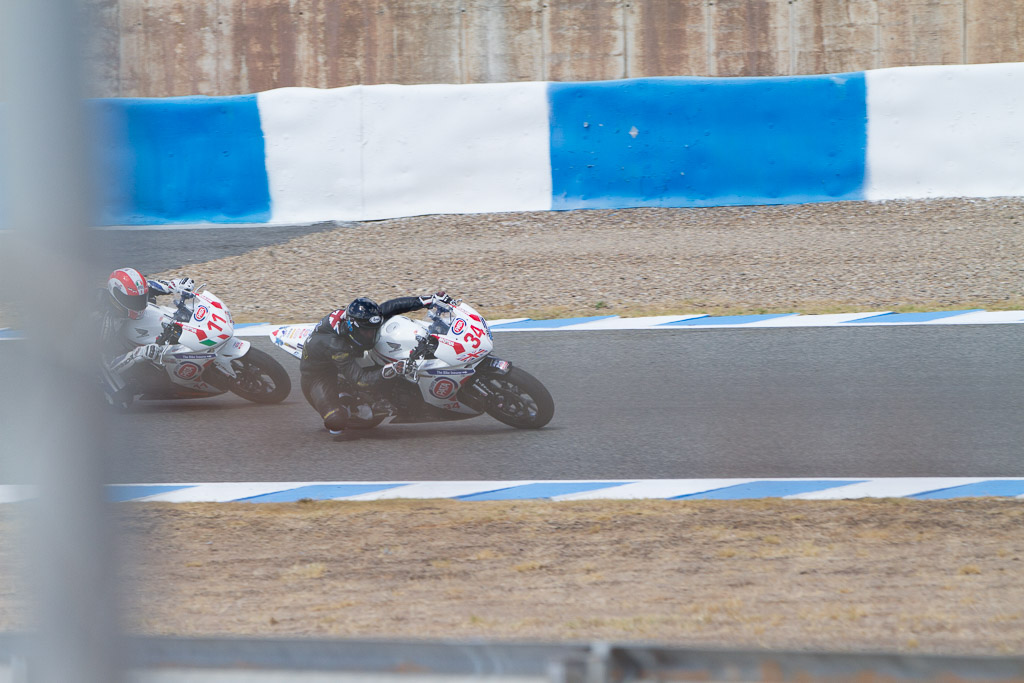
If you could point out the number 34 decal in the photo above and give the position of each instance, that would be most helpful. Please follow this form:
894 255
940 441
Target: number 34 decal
474 336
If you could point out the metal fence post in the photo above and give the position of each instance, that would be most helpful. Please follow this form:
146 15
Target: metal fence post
56 433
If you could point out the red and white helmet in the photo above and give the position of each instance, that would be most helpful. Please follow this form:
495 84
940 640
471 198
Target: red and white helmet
129 290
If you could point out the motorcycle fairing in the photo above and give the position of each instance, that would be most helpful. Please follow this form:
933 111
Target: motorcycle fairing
291 337
462 341
206 339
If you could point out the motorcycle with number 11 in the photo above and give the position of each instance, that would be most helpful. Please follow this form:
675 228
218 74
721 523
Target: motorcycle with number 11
205 358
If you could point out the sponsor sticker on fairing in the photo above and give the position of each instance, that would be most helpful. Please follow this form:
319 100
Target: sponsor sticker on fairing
443 387
200 313
194 356
472 354
459 326
187 370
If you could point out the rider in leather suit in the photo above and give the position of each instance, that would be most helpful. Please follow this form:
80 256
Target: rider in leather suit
332 381
124 299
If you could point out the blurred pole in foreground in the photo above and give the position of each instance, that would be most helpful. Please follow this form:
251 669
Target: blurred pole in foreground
56 434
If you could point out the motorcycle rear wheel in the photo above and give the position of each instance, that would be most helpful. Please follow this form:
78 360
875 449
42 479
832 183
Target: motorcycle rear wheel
519 400
259 378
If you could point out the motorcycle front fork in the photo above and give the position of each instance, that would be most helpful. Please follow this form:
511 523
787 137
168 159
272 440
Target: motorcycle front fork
478 395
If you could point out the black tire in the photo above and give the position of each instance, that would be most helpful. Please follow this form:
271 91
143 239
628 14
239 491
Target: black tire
259 378
520 400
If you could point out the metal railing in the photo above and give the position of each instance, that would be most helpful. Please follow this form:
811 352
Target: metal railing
175 660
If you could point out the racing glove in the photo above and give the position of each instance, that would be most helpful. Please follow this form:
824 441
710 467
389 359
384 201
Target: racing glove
160 287
395 369
429 300
149 352
183 286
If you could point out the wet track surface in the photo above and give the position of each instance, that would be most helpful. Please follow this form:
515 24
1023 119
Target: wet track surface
825 402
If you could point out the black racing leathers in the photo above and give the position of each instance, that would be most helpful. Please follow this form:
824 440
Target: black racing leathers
331 376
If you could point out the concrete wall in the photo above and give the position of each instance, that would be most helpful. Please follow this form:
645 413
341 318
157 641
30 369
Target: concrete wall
161 48
365 152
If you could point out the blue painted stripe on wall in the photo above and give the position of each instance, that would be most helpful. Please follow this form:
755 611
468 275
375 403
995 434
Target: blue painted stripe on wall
181 159
708 141
121 493
981 488
766 489
909 317
319 492
541 490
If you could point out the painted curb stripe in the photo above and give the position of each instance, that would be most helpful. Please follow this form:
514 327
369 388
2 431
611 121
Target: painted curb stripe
764 489
890 487
911 317
539 490
700 321
318 492
555 323
982 488
563 490
120 494
728 319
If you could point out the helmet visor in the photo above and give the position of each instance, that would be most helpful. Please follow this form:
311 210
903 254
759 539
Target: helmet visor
364 332
131 302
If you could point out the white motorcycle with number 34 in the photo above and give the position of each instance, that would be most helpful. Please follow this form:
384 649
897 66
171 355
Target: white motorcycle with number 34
447 370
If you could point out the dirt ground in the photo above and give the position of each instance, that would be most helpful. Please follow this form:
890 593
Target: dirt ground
867 575
882 575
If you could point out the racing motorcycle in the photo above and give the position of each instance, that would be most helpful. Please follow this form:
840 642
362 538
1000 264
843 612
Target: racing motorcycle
449 372
210 361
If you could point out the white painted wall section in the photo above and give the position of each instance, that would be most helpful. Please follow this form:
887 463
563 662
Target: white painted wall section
945 131
381 151
482 148
313 152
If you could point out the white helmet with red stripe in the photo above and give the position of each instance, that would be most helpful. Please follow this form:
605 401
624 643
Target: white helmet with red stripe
129 291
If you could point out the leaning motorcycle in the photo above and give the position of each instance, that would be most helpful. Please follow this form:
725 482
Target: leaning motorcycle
450 373
209 360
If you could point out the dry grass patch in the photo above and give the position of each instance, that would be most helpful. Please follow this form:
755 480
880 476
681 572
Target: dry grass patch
298 572
931 576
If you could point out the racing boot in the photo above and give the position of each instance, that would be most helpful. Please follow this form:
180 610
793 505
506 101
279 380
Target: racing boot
335 420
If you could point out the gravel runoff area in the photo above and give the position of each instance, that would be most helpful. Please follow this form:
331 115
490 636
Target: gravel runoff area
811 258
890 575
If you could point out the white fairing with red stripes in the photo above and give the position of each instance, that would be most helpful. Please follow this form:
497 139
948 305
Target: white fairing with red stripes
207 337
463 340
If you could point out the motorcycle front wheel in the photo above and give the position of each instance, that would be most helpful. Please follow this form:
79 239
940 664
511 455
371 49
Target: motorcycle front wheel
519 400
259 378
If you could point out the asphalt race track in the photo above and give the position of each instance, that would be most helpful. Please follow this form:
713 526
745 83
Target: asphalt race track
887 401
817 402
168 247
